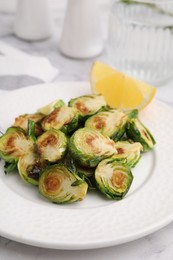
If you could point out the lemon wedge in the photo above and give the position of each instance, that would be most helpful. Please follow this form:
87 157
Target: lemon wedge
120 90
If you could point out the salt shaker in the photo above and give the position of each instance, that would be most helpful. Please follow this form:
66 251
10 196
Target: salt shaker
82 33
33 20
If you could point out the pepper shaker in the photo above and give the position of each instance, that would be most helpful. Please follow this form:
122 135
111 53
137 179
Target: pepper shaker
33 20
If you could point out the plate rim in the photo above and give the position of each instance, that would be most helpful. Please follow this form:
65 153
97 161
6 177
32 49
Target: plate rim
93 244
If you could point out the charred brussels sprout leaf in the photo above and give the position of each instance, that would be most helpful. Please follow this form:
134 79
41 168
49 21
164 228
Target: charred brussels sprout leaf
86 171
31 130
110 123
136 131
46 110
10 167
62 118
86 174
69 162
128 153
29 168
52 145
87 105
113 178
88 147
14 144
59 103
22 121
132 113
60 185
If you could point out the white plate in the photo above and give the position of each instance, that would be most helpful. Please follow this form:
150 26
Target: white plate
95 222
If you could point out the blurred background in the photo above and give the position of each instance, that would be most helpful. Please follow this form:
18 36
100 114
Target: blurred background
68 69
55 40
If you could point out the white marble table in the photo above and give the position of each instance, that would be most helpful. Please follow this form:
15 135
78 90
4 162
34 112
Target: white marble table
158 245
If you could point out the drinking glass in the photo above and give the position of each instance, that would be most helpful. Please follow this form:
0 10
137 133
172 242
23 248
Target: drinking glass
140 41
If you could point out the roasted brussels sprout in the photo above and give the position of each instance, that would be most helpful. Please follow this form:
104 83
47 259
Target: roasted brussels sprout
128 153
110 123
52 145
67 150
62 118
29 167
113 178
22 121
46 110
60 185
136 131
87 105
88 147
14 144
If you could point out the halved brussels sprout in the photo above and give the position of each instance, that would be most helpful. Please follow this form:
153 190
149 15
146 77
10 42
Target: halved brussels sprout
14 144
52 145
88 147
62 118
136 131
110 123
22 121
46 110
128 153
29 167
60 185
87 105
113 178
